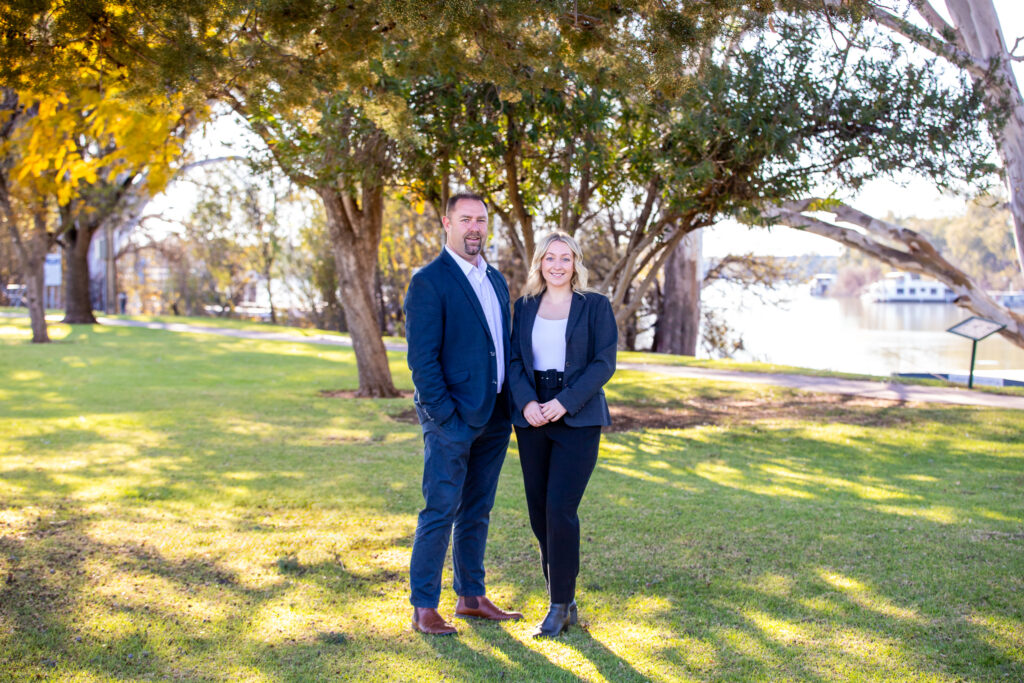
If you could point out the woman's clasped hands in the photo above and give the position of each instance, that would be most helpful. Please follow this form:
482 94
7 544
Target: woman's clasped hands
539 414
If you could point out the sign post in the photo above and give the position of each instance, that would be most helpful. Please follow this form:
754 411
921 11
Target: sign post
975 328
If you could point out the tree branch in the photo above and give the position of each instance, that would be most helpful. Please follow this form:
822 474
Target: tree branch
977 68
939 24
1016 44
909 251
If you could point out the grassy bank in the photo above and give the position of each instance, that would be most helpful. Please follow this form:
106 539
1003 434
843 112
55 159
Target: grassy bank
178 506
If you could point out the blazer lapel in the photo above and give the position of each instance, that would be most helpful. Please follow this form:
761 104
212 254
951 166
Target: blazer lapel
575 311
530 307
467 288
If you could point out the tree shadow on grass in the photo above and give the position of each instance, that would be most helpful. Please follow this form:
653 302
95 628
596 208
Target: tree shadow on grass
700 520
882 528
825 623
509 656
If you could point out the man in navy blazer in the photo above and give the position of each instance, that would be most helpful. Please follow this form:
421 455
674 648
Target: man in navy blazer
457 329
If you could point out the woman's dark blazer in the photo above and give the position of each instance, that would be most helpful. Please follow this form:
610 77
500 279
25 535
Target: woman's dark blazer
591 337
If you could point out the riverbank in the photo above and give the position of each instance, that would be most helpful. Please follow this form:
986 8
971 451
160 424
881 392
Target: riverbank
853 335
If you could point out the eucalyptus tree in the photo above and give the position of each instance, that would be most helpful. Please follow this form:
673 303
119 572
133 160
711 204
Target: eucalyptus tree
337 95
975 44
951 154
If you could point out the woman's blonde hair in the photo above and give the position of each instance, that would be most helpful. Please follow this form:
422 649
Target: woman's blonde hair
535 284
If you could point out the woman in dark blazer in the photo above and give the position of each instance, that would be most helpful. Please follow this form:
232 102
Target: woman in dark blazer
563 351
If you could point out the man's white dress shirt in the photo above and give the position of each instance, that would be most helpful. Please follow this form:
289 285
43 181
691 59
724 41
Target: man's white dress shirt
481 284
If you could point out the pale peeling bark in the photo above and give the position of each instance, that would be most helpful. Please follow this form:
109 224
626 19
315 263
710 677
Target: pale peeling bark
975 42
978 25
898 247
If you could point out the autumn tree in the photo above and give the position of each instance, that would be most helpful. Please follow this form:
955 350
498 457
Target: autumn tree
73 160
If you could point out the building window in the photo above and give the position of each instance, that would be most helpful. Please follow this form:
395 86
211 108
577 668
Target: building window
899 290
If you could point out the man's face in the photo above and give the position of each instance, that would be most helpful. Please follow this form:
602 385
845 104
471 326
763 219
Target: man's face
466 225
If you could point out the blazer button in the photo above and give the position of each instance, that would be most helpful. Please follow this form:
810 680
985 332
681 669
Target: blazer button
492 353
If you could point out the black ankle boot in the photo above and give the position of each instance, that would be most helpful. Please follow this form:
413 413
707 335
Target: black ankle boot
574 616
560 616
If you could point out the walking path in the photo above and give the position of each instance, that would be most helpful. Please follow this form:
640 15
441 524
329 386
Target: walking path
832 385
312 338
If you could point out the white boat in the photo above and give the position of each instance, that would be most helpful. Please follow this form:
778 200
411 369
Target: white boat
899 286
821 283
1009 298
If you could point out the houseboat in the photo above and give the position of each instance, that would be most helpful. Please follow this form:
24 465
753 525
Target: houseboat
1010 299
911 287
821 283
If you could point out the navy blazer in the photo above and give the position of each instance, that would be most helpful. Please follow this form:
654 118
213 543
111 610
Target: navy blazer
451 353
591 339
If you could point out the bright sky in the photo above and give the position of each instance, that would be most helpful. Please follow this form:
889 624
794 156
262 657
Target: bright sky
917 198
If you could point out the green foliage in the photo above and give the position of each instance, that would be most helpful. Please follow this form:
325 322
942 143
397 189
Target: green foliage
411 239
313 264
979 242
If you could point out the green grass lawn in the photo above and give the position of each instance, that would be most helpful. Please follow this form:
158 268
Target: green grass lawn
177 506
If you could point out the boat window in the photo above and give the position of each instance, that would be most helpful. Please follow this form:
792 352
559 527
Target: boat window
899 290
913 291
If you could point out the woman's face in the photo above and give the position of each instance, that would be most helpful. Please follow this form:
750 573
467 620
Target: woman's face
556 266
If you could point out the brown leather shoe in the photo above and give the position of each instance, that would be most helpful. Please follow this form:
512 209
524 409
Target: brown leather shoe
427 620
485 609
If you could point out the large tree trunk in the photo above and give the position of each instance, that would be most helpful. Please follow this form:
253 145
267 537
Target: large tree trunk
33 268
679 318
355 237
978 24
77 299
32 249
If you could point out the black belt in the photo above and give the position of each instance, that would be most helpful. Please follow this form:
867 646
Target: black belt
549 379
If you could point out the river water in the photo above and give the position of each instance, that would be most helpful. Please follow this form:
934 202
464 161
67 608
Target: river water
853 335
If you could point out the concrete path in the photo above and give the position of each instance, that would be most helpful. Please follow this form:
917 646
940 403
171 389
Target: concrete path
867 389
832 385
312 338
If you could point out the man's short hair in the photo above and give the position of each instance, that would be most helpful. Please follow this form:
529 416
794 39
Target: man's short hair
455 198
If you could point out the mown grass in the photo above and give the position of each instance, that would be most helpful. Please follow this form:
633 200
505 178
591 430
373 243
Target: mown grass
179 506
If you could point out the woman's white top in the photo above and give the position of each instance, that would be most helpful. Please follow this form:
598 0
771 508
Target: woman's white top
549 344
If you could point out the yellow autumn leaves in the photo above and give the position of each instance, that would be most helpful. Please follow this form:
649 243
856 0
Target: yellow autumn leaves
65 140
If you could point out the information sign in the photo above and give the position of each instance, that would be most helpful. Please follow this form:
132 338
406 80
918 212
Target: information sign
975 328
